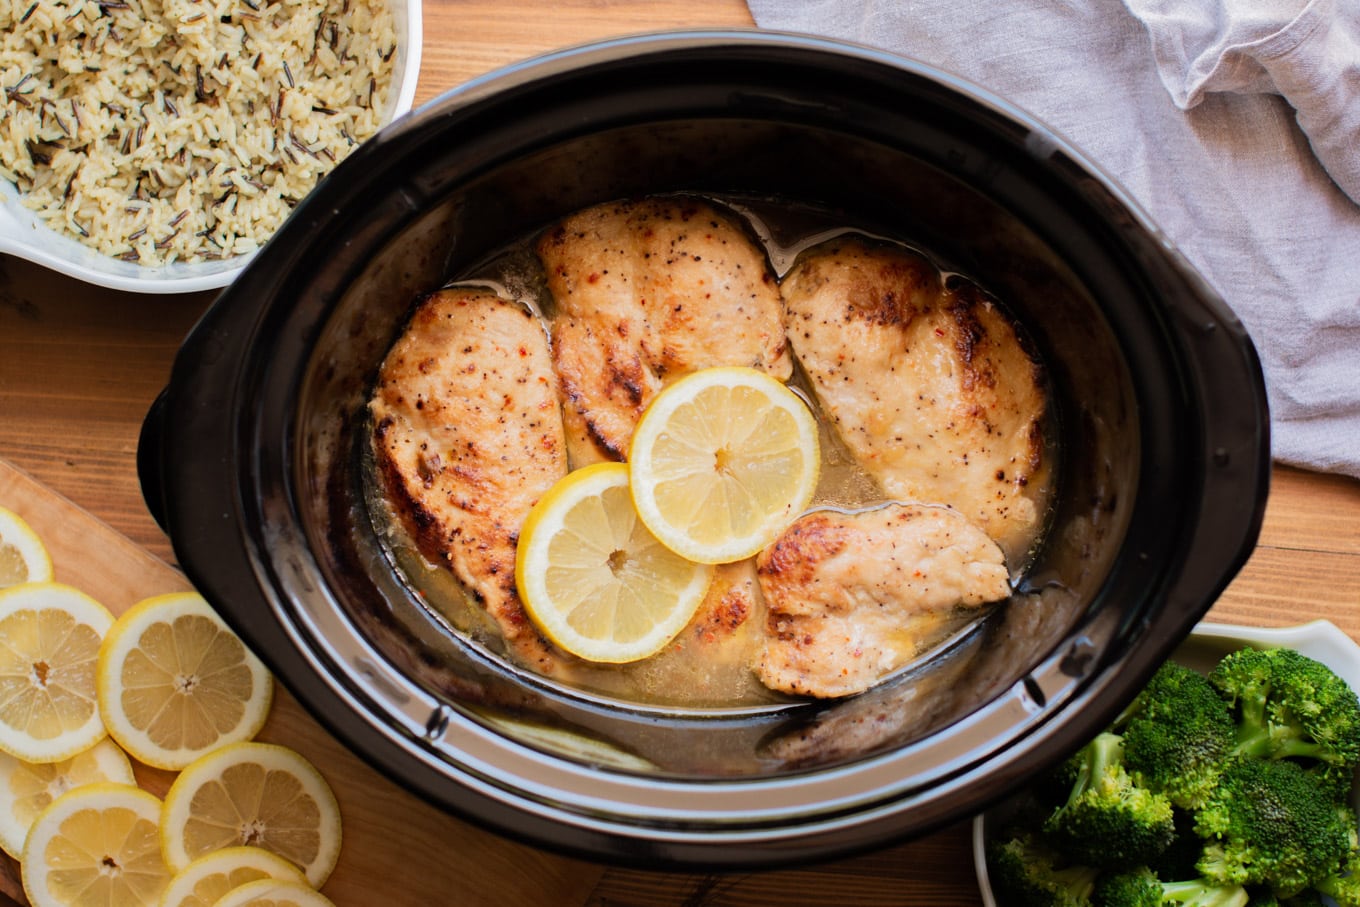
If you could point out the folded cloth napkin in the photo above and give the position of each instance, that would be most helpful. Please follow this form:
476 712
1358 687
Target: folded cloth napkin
1234 123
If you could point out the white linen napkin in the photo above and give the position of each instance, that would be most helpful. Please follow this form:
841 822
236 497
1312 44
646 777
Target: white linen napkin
1234 123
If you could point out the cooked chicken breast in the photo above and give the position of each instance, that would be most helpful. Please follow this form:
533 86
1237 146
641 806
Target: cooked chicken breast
926 382
852 596
646 292
468 434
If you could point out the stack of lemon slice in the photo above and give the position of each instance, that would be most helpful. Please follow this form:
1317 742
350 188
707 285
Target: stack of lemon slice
615 559
243 823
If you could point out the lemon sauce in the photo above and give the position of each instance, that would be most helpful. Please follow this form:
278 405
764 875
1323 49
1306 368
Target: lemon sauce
708 665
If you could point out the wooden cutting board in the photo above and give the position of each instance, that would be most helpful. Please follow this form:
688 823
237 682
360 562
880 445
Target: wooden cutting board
397 852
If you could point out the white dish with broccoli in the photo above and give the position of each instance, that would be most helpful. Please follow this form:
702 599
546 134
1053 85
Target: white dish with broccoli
1230 781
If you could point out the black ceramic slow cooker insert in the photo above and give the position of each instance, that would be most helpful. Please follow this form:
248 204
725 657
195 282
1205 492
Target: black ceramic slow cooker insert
252 457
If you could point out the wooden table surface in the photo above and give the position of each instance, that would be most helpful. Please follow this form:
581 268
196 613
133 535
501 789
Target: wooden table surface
80 365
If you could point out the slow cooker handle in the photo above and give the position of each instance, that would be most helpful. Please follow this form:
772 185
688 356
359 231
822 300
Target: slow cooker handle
149 446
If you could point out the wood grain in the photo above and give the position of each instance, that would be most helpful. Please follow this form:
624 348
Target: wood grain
384 826
467 38
79 366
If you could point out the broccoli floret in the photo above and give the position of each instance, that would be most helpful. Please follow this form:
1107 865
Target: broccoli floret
1025 872
1270 823
1179 859
1142 888
1108 820
1288 705
1344 886
1131 888
1265 897
1177 734
1053 787
1306 899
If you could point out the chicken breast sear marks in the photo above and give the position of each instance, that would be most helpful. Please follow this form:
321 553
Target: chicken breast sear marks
852 596
646 292
926 381
468 435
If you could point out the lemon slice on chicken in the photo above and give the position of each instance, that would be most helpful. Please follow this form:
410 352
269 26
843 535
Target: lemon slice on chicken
592 576
722 461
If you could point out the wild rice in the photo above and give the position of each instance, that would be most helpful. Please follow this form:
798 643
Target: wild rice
125 120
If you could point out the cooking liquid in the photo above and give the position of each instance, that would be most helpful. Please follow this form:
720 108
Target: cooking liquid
691 672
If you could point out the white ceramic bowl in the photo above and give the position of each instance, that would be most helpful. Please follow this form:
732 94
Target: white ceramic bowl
1320 639
24 235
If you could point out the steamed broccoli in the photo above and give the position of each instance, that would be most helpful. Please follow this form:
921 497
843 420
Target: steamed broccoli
1025 872
1344 886
1177 734
1142 888
1183 853
1288 705
1268 822
1305 899
1264 897
1108 820
1236 782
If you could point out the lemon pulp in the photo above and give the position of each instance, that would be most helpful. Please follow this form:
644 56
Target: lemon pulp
722 461
592 576
23 557
96 845
256 794
174 682
49 644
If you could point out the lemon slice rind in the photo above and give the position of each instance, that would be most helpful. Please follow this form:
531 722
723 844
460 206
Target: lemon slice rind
722 461
200 688
219 801
105 823
27 788
49 644
206 880
594 580
275 893
23 556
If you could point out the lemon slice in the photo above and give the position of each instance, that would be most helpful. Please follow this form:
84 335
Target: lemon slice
594 579
26 788
722 461
255 794
96 845
23 558
204 881
49 643
174 682
273 893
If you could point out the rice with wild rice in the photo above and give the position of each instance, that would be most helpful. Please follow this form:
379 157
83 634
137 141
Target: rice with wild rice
163 130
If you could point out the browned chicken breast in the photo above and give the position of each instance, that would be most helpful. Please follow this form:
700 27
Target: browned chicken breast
852 596
926 381
646 292
468 435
